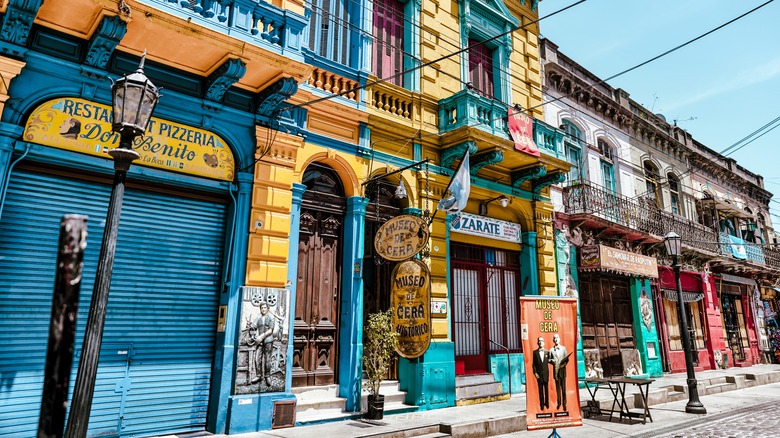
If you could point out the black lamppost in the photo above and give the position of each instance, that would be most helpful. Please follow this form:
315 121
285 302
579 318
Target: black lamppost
134 98
673 244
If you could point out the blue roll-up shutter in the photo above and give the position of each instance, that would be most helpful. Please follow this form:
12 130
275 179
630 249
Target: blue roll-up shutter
158 343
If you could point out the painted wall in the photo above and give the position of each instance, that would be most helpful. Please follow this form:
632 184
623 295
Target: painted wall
644 327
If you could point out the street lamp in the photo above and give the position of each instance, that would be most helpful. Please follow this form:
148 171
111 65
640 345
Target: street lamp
673 243
134 98
503 200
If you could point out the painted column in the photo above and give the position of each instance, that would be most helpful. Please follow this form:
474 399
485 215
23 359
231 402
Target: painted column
644 326
9 133
351 323
529 275
292 272
545 248
566 259
222 375
715 342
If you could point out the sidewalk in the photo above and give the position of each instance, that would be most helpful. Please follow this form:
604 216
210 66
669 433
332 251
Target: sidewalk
508 416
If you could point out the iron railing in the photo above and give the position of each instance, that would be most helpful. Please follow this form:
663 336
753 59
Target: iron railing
640 214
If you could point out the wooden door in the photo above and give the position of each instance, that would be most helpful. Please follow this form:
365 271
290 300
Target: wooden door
607 322
315 328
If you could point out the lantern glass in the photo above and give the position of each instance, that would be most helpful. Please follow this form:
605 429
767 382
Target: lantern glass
134 98
673 243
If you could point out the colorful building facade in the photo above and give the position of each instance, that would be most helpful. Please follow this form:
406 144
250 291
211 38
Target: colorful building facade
634 179
245 265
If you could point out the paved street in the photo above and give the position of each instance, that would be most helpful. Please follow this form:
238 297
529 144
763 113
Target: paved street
751 412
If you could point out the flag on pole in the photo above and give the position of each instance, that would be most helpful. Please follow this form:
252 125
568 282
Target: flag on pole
459 188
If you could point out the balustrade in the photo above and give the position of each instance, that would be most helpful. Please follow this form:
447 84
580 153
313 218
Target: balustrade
468 108
333 83
255 20
393 100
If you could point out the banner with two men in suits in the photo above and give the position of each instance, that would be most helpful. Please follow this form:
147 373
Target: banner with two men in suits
549 335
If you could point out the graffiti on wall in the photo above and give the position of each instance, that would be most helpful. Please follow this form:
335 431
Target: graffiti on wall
262 345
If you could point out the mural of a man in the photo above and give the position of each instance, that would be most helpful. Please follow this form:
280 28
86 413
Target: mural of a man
264 326
541 368
559 359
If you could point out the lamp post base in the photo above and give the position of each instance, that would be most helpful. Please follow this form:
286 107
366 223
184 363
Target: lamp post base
695 408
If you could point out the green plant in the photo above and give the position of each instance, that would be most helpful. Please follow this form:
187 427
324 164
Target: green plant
379 342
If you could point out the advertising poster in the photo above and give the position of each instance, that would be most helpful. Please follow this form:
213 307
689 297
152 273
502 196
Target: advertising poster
549 335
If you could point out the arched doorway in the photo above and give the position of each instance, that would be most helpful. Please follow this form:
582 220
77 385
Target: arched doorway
382 206
315 329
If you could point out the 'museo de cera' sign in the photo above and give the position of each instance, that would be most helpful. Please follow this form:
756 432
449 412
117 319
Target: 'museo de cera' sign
411 301
401 237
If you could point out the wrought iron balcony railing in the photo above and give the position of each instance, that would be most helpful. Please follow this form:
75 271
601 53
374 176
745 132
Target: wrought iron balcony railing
638 214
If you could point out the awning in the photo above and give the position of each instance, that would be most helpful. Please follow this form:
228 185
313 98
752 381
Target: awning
738 279
728 208
688 297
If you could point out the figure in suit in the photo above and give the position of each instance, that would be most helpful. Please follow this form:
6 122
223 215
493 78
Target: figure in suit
559 359
264 330
541 369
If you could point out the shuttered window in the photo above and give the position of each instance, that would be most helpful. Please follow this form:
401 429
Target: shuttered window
481 68
389 40
329 30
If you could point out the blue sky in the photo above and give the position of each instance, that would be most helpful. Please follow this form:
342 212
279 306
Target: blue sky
720 88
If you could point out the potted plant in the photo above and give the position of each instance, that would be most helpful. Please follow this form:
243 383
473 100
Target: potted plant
379 342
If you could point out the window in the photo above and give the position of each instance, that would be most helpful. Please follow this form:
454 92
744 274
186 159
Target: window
607 166
605 150
329 32
760 228
481 68
674 193
572 143
487 65
389 40
696 332
652 183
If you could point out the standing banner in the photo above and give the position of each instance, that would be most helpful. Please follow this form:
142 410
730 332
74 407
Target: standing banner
549 335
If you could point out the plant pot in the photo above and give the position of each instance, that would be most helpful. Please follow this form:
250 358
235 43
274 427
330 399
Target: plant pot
376 407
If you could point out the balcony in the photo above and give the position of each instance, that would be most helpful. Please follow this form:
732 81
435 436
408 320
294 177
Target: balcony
548 139
468 108
394 101
739 249
635 218
255 21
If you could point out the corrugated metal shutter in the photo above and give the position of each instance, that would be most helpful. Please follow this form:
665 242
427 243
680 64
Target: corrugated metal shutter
158 344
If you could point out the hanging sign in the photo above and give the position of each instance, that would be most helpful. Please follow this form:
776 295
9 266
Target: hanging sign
401 237
83 126
411 303
605 258
549 335
521 127
486 227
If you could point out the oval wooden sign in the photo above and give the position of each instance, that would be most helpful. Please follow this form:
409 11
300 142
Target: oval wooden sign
401 237
411 300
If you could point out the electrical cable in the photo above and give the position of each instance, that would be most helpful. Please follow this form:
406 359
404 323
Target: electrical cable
429 63
547 102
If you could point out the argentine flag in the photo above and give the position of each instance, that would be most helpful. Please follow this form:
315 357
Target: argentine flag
459 189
